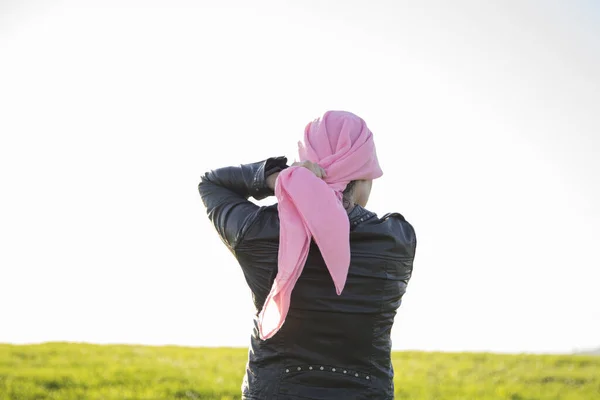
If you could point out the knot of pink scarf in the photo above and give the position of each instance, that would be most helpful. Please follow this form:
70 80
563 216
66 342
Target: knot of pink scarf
310 207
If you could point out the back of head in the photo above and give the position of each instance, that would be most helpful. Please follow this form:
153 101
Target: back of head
342 144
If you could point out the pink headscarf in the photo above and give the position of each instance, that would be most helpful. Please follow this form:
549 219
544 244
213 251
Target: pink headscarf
343 146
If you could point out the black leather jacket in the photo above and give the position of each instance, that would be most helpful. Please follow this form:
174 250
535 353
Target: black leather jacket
330 347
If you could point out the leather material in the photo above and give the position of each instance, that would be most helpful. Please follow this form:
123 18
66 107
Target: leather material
330 347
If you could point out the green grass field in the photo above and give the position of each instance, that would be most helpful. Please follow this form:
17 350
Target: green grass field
69 371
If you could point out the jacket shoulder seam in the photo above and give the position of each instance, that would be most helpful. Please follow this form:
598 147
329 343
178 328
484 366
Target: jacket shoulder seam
250 221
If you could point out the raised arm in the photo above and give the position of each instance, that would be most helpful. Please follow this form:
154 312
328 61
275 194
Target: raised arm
225 192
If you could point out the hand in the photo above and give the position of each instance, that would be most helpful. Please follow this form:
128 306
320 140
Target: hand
312 167
271 181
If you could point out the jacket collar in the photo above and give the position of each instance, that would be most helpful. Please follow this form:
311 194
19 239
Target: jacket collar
359 214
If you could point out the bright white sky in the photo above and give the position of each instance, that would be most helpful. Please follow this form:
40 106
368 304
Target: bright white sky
486 116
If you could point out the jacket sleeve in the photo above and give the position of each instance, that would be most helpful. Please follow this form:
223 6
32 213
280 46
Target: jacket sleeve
225 193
